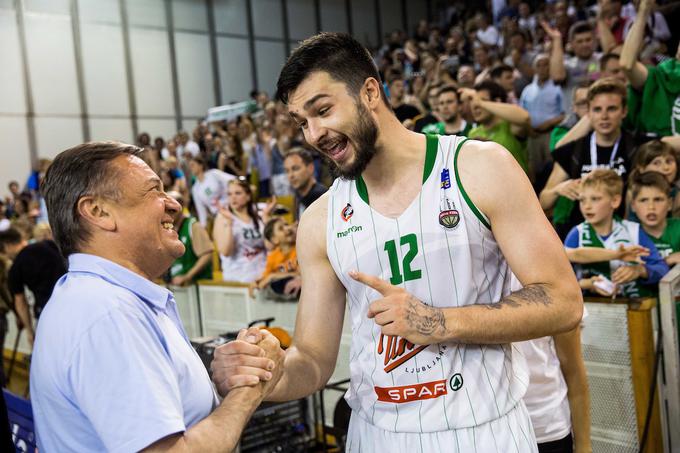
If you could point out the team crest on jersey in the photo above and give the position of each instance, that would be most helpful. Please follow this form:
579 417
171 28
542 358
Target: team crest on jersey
448 214
347 212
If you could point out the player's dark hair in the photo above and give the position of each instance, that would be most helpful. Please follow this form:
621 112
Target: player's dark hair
337 54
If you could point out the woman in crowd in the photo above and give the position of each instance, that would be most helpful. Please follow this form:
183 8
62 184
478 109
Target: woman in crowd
238 234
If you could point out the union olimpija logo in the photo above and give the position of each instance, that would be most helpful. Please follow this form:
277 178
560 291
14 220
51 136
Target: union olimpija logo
348 231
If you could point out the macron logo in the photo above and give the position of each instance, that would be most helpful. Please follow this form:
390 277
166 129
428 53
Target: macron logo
348 231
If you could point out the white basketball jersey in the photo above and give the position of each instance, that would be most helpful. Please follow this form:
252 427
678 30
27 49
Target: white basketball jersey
441 250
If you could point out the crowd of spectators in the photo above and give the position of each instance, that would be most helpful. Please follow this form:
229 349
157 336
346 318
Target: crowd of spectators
566 87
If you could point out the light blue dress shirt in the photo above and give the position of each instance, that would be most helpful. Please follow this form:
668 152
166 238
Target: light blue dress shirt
112 368
543 102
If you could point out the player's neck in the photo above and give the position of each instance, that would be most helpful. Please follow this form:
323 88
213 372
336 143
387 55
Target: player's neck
398 151
604 227
607 139
656 230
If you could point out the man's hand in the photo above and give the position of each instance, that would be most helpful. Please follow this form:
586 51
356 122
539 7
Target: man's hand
469 95
226 213
625 274
553 33
242 362
399 313
632 253
571 188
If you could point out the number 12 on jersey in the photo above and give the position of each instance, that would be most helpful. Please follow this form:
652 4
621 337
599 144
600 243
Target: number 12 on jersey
411 240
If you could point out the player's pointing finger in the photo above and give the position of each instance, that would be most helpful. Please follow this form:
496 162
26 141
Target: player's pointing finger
378 284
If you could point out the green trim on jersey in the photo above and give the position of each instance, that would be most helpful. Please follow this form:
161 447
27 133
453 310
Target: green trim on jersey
430 159
430 155
467 199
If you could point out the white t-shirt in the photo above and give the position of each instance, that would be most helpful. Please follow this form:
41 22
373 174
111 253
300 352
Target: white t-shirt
489 36
246 264
210 193
546 398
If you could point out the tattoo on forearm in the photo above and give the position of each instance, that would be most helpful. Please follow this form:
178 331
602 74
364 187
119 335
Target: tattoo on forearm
424 319
532 294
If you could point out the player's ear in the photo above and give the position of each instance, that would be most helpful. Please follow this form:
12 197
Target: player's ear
371 92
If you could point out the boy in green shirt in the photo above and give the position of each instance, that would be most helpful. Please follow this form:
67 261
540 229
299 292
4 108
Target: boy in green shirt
652 203
600 197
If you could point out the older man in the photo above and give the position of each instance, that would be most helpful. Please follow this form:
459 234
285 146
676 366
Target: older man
113 369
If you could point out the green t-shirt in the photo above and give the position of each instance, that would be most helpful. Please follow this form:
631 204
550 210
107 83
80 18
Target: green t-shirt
556 135
440 129
669 242
652 110
502 134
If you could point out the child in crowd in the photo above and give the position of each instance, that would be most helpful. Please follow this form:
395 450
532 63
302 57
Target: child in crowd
600 197
281 277
651 201
658 156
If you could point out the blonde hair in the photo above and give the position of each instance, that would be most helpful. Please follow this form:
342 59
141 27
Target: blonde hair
604 178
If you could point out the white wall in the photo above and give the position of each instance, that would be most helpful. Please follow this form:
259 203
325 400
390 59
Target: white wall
77 48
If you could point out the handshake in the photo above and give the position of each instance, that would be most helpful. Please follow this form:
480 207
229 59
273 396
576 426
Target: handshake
254 359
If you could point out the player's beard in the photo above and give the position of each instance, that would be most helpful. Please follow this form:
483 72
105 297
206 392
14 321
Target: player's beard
363 136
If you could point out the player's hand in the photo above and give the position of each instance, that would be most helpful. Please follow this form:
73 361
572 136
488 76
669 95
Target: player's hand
571 188
272 348
242 362
401 314
632 253
625 274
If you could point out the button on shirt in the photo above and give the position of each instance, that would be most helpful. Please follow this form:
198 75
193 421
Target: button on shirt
542 101
113 369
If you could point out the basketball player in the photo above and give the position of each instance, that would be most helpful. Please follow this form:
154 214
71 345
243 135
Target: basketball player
419 236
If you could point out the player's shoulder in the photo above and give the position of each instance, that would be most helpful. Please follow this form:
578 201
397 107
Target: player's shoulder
484 158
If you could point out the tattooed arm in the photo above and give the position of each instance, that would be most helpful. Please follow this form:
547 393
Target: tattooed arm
549 303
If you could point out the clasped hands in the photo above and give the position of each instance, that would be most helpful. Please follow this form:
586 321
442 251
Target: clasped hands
256 358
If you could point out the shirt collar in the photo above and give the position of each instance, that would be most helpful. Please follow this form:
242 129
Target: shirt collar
118 275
